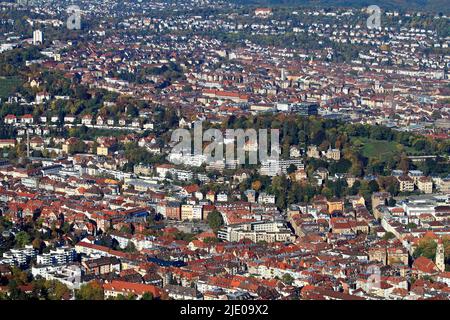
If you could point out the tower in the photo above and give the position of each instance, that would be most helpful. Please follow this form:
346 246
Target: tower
440 256
38 37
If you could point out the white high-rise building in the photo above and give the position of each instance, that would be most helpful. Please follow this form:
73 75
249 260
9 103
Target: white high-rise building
38 37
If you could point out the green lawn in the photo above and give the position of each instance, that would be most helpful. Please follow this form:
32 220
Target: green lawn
8 86
377 148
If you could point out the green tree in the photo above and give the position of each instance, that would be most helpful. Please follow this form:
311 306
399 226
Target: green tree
287 278
22 239
131 248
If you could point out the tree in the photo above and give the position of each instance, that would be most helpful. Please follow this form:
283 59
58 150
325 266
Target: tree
373 186
215 220
256 185
291 169
388 236
426 248
130 247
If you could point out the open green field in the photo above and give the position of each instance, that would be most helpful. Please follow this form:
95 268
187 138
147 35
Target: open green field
377 148
8 85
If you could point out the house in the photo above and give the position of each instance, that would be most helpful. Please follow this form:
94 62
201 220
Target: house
251 195
300 174
187 212
294 152
41 97
211 196
36 143
335 205
136 123
266 198
101 265
10 119
7 143
69 142
69 119
27 119
313 152
322 173
222 197
333 154
182 293
263 12
101 120
163 170
173 210
35 83
190 189
122 122
107 145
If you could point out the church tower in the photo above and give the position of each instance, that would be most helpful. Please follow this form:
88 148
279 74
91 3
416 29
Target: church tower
440 256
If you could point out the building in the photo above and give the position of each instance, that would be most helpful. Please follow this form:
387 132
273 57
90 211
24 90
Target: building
197 212
333 154
425 184
415 175
275 231
69 275
117 288
406 184
274 167
182 293
19 257
101 265
211 196
187 212
313 152
266 198
58 256
38 37
7 143
222 197
335 205
263 12
173 210
379 198
305 108
444 185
